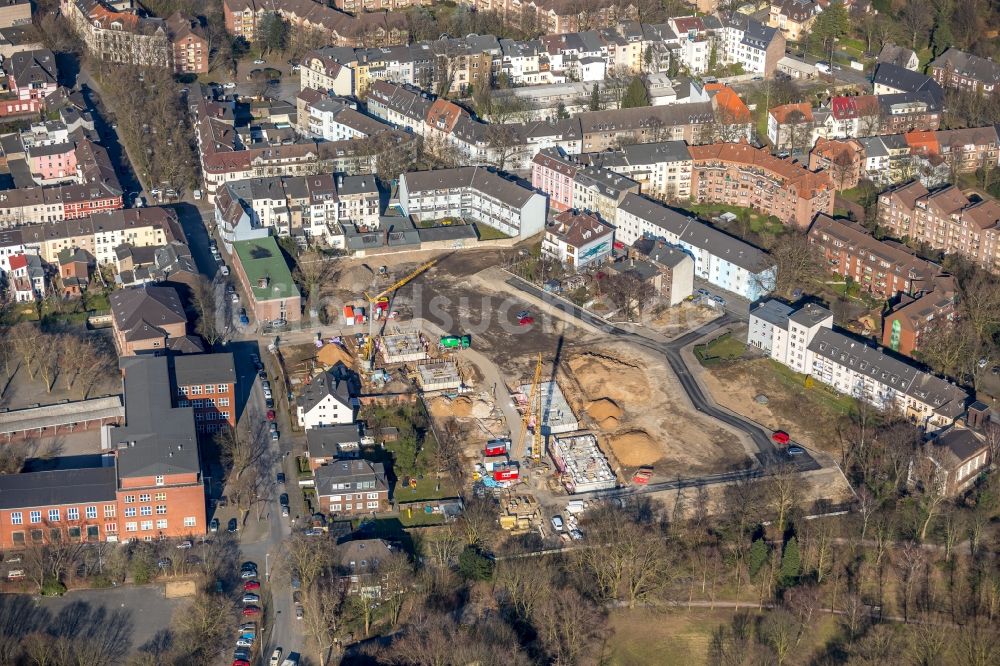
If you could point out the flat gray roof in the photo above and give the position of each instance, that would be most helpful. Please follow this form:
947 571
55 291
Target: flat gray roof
56 487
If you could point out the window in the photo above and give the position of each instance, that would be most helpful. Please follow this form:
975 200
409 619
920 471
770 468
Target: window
198 404
159 480
334 507
144 497
74 532
161 509
93 533
16 518
209 388
37 535
131 527
161 524
372 505
73 514
224 415
223 402
146 525
196 390
18 538
53 515
189 521
35 516
109 510
145 510
129 499
130 512
160 497
222 388
91 512
110 528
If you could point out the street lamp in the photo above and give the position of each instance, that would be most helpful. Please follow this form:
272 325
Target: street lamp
267 568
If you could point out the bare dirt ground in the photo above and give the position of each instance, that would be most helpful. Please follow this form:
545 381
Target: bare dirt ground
680 319
631 398
806 418
23 391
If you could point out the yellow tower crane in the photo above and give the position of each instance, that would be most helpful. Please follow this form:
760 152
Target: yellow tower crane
368 358
534 410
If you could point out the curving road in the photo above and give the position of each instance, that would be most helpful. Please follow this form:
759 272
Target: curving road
768 455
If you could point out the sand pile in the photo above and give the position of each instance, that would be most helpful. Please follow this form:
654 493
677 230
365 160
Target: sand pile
332 354
356 279
460 407
635 448
606 413
593 370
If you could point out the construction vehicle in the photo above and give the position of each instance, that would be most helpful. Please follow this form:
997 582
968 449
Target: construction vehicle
368 358
533 415
455 342
642 475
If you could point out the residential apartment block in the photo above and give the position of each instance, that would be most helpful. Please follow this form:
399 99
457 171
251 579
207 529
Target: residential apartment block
318 207
149 486
120 37
803 338
741 175
31 76
964 71
242 18
946 219
263 274
722 260
885 268
570 184
792 17
663 169
150 319
473 193
577 240
352 488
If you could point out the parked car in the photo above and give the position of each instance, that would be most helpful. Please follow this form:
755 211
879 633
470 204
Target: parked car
250 598
269 403
242 653
525 321
248 566
275 436
233 526
281 475
247 626
284 511
243 642
283 499
197 194
224 269
557 523
522 314
214 525
184 544
296 583
155 191
240 662
248 574
795 450
314 531
229 85
234 297
273 427
275 657
164 563
251 611
244 319
251 585
258 61
261 373
270 416
299 612
576 534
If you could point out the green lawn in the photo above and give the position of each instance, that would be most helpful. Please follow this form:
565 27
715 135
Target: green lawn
426 488
420 519
486 232
838 402
724 346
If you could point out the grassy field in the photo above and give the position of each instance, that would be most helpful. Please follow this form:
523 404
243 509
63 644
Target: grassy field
836 402
724 347
650 637
486 232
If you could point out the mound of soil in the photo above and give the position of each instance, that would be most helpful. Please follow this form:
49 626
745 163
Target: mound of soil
604 408
460 407
332 354
356 279
609 424
635 448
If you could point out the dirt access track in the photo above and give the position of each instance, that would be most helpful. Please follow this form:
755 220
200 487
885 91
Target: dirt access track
632 400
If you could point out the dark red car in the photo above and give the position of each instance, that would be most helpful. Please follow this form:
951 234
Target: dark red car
251 611
781 437
525 321
241 662
270 415
251 585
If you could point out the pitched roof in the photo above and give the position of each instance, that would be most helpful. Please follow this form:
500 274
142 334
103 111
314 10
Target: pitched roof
350 471
58 487
322 386
782 113
806 183
476 177
577 229
329 441
969 66
141 311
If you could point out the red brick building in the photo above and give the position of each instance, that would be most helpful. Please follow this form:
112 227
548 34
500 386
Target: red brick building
207 384
884 268
189 44
148 487
352 487
740 175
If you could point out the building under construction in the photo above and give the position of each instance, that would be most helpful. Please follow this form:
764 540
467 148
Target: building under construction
582 464
557 417
406 347
438 376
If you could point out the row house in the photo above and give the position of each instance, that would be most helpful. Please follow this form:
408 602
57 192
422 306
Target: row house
662 169
360 6
98 234
318 207
739 174
333 118
190 45
473 193
327 69
696 40
242 18
886 268
554 17
803 338
945 219
720 259
792 127
149 485
572 185
963 71
907 112
963 150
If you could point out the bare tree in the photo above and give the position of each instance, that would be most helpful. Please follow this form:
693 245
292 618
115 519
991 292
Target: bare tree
629 292
783 490
796 262
309 557
205 304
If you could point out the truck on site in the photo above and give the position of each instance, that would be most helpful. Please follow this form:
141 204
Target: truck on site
642 475
496 447
455 342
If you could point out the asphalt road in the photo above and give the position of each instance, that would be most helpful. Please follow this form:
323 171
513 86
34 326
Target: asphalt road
767 453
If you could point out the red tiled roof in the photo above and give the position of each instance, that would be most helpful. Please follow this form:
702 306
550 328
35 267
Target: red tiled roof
782 112
18 261
806 183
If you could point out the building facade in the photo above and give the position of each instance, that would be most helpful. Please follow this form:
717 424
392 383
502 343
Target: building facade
352 488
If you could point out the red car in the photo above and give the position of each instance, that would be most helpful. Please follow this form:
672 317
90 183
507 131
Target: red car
251 585
251 611
241 662
781 437
270 415
525 321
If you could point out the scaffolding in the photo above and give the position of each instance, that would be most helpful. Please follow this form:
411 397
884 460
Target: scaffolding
582 463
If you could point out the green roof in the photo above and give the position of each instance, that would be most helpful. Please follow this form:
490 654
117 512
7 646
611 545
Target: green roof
262 260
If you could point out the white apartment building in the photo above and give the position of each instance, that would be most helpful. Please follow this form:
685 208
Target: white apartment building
804 340
476 194
663 170
722 260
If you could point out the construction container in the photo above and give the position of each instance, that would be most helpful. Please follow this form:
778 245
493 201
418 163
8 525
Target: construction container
348 314
456 342
496 447
575 506
508 472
